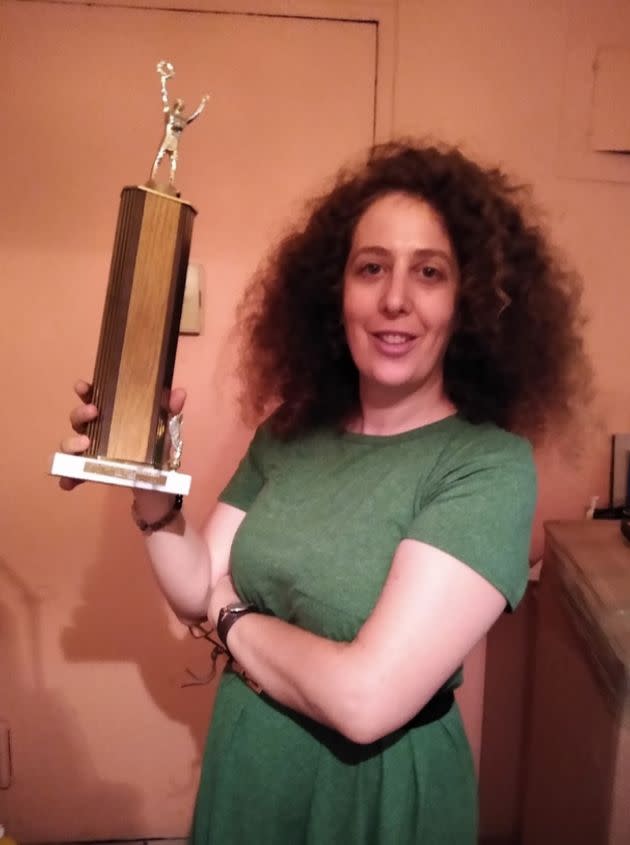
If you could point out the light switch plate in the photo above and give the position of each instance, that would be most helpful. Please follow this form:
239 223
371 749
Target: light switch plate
192 310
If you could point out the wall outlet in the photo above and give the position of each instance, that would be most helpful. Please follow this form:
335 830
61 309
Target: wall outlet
619 468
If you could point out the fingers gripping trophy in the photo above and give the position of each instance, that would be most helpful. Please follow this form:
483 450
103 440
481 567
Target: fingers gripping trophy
134 441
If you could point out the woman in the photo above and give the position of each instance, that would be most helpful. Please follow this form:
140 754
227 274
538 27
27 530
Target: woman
412 337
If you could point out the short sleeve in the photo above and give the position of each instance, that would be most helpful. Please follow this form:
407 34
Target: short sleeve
480 511
249 479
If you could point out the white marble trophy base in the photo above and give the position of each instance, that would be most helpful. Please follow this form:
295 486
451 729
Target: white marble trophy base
121 473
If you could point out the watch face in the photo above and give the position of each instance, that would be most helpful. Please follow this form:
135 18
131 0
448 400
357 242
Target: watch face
228 615
238 606
235 608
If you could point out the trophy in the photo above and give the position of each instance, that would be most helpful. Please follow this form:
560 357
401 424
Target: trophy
134 442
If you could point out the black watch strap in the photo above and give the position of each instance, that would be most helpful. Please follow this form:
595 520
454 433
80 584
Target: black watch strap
228 616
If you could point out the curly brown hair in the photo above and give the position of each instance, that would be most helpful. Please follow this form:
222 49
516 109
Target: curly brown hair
516 357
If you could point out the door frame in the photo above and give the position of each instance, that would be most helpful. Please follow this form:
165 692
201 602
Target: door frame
381 13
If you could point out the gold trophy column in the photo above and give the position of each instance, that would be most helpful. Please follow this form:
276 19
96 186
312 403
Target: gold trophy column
136 354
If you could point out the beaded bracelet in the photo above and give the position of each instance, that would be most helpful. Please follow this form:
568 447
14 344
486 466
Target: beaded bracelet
200 631
149 527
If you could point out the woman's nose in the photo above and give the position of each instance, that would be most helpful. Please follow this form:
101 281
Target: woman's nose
395 295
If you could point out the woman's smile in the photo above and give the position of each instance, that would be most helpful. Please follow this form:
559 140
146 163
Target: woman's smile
394 343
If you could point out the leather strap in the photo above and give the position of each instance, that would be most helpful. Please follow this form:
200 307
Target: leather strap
227 617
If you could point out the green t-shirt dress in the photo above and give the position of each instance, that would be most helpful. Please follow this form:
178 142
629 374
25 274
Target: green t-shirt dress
325 513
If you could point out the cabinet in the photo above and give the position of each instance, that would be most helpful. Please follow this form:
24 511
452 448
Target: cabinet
578 763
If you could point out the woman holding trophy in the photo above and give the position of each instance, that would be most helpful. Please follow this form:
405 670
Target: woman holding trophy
406 346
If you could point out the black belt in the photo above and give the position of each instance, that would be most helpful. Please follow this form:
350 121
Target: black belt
352 753
435 709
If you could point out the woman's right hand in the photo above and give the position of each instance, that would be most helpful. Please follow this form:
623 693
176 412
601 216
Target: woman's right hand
80 416
77 443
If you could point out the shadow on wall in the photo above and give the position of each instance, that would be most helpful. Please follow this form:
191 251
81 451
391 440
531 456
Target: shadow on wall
38 800
123 618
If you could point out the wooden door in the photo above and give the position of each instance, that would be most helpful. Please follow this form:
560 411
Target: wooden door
105 741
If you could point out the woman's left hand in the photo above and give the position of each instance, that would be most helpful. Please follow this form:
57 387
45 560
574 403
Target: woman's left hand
222 594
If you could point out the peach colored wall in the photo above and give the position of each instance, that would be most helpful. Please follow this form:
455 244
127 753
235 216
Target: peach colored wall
505 80
81 626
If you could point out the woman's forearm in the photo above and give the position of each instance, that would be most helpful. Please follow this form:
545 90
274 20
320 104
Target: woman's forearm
180 558
181 564
310 674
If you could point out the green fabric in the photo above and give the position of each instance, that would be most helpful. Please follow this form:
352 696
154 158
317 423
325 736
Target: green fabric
324 516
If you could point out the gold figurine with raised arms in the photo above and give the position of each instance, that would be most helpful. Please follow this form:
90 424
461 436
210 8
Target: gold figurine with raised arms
175 121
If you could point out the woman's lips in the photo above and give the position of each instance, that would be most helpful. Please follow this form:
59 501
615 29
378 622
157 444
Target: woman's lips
393 344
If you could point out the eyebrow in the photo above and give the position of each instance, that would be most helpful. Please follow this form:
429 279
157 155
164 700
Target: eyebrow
417 253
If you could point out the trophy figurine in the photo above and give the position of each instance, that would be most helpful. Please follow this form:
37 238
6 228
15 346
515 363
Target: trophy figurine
175 123
134 442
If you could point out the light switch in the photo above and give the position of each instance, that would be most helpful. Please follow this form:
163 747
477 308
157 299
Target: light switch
192 311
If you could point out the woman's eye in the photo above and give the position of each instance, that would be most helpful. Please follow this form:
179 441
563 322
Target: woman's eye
431 272
371 268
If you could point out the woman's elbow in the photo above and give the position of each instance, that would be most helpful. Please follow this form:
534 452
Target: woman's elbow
362 733
362 719
371 712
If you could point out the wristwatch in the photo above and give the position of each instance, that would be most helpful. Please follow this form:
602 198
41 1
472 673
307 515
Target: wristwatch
228 616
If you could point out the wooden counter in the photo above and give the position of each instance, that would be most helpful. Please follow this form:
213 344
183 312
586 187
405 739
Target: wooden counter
578 763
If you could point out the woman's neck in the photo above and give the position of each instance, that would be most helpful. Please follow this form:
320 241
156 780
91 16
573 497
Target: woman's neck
385 415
